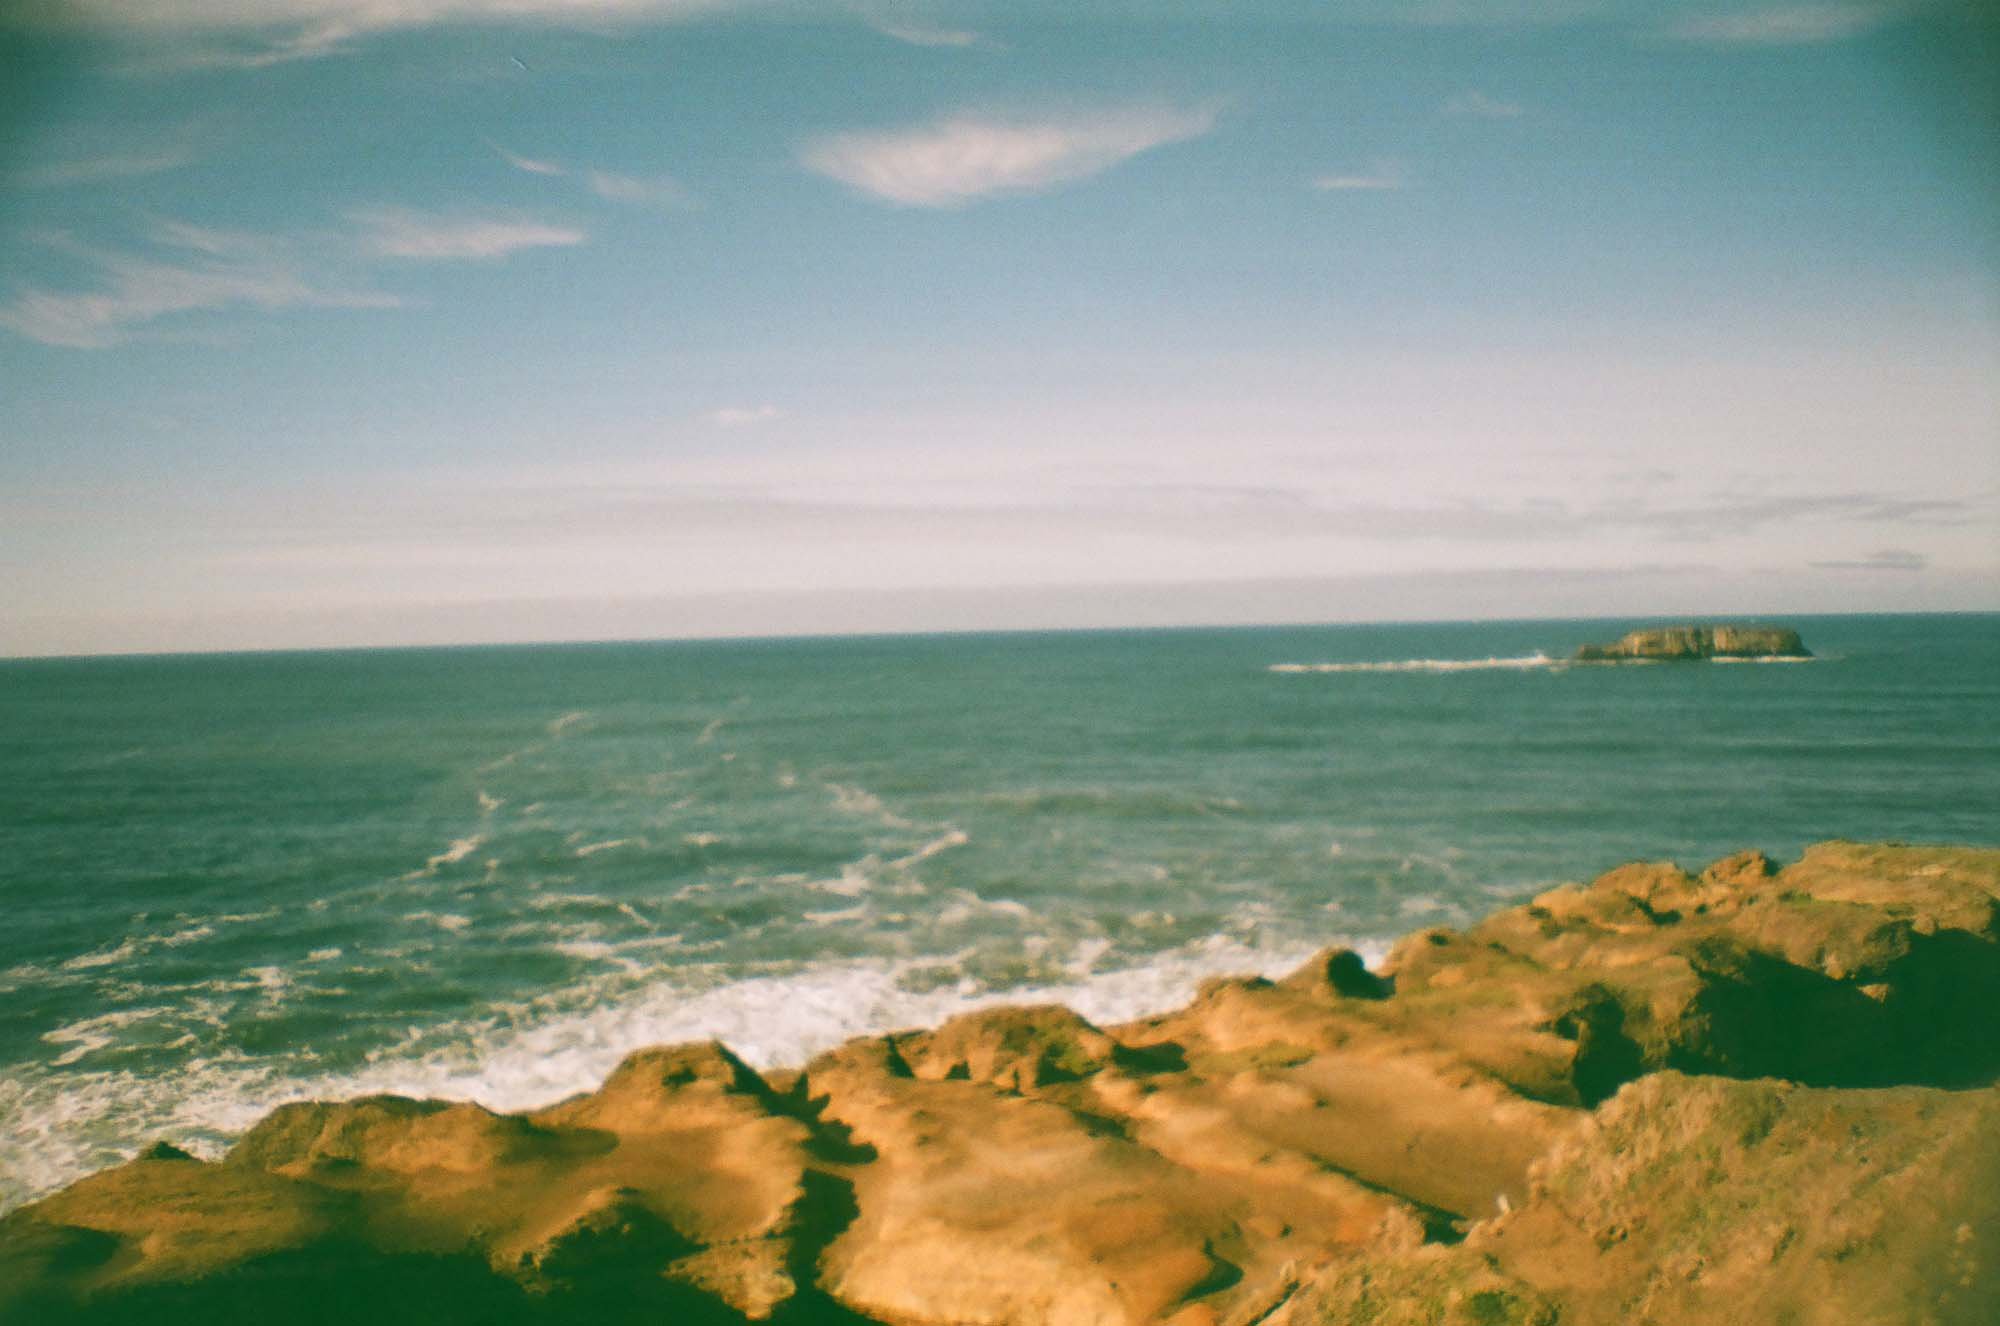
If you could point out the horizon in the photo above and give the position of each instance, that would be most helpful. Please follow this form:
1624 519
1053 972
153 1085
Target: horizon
1639 621
363 325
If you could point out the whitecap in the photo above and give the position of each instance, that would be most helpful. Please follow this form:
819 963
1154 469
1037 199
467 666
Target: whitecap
450 921
273 981
1525 661
89 1035
55 1126
460 849
854 880
104 957
853 800
942 843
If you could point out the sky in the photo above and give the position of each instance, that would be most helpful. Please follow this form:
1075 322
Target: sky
375 322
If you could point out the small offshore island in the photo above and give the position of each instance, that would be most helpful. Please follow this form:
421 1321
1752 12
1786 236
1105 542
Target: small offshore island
1749 1095
1694 643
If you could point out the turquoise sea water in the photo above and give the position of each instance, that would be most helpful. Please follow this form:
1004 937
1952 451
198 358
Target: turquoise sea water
231 881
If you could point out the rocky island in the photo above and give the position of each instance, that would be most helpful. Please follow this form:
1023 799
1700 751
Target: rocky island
1748 1095
1698 642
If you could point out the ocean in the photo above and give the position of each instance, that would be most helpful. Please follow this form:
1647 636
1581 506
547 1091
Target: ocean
231 881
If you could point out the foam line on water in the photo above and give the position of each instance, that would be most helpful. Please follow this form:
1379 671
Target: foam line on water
1522 663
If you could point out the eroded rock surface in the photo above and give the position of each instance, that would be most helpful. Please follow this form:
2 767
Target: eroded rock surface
1751 1094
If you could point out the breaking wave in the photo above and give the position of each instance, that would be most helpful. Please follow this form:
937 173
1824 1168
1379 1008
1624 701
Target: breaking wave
1522 663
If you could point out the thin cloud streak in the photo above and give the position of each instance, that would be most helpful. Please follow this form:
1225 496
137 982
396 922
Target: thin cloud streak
659 191
656 191
394 232
531 165
1791 25
965 158
96 169
1887 559
915 35
1478 105
1380 179
293 30
208 270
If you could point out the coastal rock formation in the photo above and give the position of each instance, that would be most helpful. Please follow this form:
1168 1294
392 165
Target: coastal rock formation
1752 1094
1698 642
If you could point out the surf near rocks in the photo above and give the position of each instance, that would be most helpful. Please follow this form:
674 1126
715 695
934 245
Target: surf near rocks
1751 1093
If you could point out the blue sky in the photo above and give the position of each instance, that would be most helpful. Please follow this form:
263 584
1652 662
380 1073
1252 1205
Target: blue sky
417 321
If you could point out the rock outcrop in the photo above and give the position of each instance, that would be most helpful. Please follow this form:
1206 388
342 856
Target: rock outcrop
1751 1094
1698 642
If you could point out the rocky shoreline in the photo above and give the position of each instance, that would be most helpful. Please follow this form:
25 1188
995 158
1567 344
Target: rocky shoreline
1748 1095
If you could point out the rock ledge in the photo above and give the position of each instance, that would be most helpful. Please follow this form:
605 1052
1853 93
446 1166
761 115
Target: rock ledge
1749 1095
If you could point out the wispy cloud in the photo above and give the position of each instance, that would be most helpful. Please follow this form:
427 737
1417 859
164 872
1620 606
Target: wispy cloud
107 166
396 232
918 34
192 269
1787 25
1886 559
532 165
320 39
663 191
1379 177
260 33
659 191
743 416
967 157
1480 106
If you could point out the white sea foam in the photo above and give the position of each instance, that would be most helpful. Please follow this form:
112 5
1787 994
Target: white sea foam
273 981
449 921
560 725
854 913
105 957
853 881
89 1035
859 801
134 945
55 1126
460 849
1524 662
944 842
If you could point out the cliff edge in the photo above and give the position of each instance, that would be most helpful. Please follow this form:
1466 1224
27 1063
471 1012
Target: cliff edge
1698 642
1749 1095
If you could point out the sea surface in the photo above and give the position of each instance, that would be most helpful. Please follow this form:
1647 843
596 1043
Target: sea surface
229 881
